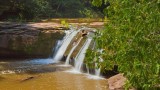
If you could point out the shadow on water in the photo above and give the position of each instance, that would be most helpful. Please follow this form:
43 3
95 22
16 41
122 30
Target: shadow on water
1 78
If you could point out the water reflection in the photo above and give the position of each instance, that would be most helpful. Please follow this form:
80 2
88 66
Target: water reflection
22 66
40 61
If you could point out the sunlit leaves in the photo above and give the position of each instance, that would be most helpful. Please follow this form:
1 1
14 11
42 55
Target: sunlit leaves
131 40
97 3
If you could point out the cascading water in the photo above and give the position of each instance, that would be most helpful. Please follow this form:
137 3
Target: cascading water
66 41
87 69
58 44
70 53
78 63
64 45
97 70
81 55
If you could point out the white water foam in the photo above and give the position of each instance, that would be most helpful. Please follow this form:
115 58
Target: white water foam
63 65
89 76
74 71
94 77
7 72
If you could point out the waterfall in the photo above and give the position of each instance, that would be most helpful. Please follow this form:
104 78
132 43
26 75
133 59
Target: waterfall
58 44
87 69
97 70
70 53
79 59
81 55
66 41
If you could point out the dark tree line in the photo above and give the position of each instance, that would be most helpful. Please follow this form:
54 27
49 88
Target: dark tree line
30 9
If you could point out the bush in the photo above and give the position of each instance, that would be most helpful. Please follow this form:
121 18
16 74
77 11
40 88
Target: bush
131 40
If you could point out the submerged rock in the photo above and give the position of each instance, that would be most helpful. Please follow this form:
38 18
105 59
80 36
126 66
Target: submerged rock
28 78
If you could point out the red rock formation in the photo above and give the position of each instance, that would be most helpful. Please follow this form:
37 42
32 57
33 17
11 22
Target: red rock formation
116 82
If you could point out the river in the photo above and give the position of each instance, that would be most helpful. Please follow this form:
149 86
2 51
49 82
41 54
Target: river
43 74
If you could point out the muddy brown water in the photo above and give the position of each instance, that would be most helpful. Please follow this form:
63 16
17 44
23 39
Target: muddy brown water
43 74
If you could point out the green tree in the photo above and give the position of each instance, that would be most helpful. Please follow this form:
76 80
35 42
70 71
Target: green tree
67 8
27 9
131 40
30 9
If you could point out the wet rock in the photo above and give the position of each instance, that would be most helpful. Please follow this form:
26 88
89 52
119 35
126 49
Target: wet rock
8 25
116 82
64 58
72 61
28 78
29 40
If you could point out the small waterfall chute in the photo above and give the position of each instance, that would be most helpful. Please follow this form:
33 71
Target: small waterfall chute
97 70
87 67
70 34
66 41
71 51
58 44
81 55
64 46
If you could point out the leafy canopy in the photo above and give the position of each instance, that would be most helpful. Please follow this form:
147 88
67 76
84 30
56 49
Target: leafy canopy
130 40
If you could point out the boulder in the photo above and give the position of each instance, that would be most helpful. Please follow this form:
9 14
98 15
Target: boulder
116 82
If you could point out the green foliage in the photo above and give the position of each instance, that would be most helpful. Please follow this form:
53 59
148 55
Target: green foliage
64 23
26 9
67 8
37 9
97 3
88 13
42 8
131 40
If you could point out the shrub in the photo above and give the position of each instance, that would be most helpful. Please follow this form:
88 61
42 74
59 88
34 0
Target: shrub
131 40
